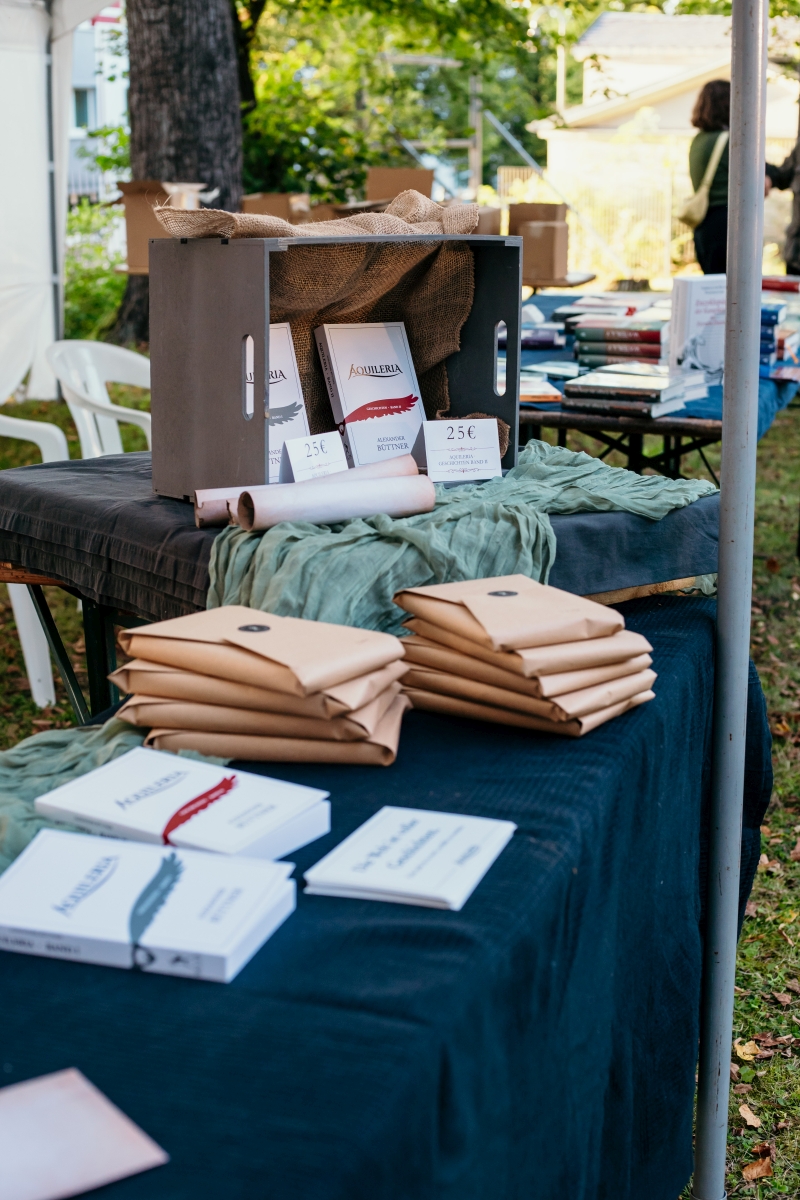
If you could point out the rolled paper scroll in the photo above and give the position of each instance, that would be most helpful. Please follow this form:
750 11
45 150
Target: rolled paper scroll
317 502
218 506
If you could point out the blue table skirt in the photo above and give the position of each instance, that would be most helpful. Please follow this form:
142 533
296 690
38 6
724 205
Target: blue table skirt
540 1043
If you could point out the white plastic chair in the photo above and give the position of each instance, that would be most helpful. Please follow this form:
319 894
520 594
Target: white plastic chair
83 369
35 651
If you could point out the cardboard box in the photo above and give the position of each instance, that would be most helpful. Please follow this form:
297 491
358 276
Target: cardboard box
290 206
140 198
518 214
384 183
489 220
544 251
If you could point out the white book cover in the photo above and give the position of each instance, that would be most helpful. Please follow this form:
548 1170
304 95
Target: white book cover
412 856
154 796
125 904
287 410
373 388
697 329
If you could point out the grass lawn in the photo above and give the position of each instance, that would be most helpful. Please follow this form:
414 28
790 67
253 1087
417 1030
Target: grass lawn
765 1105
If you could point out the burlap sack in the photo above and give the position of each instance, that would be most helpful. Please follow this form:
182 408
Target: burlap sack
428 286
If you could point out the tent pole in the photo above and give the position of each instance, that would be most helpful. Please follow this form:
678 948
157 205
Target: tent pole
738 476
51 172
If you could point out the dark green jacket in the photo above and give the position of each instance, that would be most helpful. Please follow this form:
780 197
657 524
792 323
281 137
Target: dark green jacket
787 175
699 154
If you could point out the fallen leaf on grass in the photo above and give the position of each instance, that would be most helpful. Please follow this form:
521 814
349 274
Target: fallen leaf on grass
794 855
782 997
793 985
750 909
749 1116
743 991
781 729
734 1070
742 1089
762 1167
747 1051
781 1125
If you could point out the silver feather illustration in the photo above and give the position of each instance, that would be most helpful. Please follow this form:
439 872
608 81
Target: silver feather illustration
153 897
281 416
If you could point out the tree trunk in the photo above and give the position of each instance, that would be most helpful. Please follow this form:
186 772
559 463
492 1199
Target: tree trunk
184 113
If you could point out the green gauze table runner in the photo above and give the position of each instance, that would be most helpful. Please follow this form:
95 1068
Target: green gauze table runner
348 573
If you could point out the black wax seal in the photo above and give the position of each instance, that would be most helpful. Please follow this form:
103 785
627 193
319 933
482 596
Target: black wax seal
502 593
254 628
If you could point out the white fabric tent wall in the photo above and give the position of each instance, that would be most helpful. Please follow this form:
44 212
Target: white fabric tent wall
27 317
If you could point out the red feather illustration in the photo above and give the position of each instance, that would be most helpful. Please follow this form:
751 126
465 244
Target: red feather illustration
382 408
192 807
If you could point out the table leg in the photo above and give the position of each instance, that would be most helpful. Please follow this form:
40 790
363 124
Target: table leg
562 436
58 650
101 654
636 452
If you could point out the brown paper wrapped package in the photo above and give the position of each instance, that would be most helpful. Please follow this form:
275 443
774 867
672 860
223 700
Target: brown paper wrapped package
155 711
425 653
561 708
284 654
538 661
510 612
154 679
453 706
380 750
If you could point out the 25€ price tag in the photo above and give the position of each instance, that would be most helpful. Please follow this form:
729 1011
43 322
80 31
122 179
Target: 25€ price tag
459 450
312 457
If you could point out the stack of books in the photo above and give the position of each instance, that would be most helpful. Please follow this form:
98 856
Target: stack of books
147 908
516 652
238 683
634 390
600 343
772 314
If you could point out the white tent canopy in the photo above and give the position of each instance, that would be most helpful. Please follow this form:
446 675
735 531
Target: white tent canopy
27 310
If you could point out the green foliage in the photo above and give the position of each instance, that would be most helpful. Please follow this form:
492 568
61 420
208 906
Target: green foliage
331 101
112 151
92 291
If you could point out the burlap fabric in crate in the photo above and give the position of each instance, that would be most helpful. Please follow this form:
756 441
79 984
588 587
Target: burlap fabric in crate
426 285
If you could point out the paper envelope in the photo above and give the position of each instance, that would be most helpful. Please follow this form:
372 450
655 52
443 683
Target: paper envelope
163 713
510 611
577 727
155 679
534 662
380 750
561 708
284 654
426 653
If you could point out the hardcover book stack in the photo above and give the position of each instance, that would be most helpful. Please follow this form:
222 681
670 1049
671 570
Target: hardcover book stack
239 683
516 652
602 342
772 314
634 389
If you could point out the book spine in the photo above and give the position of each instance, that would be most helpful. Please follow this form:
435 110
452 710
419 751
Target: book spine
607 360
633 408
334 395
617 335
622 349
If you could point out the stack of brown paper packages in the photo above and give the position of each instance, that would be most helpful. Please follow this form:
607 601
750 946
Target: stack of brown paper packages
516 652
238 683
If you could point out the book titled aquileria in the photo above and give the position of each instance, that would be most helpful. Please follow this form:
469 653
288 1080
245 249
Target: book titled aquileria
373 388
151 796
287 410
149 908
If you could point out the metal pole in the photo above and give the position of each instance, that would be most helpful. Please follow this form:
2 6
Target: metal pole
51 170
738 476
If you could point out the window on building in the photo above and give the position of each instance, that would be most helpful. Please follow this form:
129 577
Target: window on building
85 108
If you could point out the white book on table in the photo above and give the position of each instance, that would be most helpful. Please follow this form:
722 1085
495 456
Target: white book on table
287 410
697 328
412 856
154 796
125 904
373 388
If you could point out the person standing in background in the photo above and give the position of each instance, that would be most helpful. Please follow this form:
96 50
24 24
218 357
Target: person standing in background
787 175
711 116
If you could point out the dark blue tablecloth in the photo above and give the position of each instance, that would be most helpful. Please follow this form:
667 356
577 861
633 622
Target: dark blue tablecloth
541 1042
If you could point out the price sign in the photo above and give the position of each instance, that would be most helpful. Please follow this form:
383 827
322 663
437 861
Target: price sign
459 450
312 457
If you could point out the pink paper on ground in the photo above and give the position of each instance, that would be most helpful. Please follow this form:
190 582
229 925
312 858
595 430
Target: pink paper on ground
60 1136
